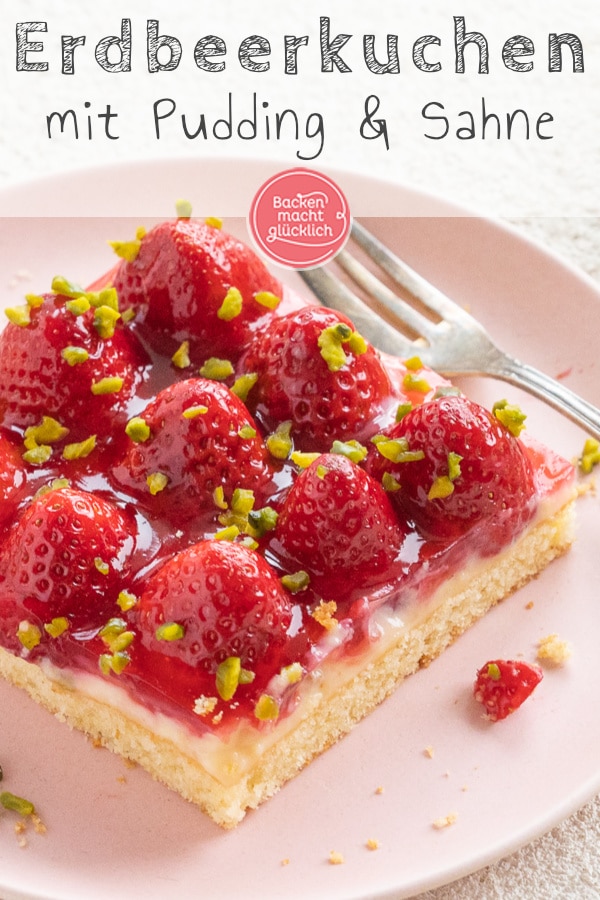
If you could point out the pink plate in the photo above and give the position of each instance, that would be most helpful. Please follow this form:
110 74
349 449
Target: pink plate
112 831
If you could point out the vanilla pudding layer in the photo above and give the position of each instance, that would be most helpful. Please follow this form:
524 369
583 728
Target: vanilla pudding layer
226 774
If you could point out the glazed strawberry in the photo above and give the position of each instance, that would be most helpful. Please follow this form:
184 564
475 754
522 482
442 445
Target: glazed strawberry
338 523
213 602
450 464
192 281
503 685
68 556
194 437
70 361
317 372
12 478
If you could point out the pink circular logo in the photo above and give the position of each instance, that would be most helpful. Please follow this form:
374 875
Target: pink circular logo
299 219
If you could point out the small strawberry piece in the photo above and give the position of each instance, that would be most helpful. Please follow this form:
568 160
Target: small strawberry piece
213 601
12 478
194 437
192 281
317 372
59 365
452 464
338 522
67 557
503 685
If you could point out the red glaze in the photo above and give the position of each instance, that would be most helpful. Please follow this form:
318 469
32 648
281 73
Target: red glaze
177 284
296 384
503 685
495 482
372 546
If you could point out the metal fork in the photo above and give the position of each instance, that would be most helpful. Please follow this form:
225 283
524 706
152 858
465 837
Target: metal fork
441 333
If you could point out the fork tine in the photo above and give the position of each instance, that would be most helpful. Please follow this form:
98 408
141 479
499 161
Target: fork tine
406 277
334 294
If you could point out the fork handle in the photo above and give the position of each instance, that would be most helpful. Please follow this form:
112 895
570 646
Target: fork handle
552 392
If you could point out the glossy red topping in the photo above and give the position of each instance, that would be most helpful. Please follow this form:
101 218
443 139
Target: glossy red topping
326 396
452 464
179 280
503 685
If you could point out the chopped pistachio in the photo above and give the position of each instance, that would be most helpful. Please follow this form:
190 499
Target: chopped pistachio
128 250
122 641
442 487
128 315
247 432
80 449
109 385
414 363
217 369
107 296
102 566
249 542
126 600
193 411
78 305
590 455
266 708
510 415
170 631
57 626
454 461
62 285
16 804
322 471
28 634
446 390
242 385
352 449
19 315
219 497
390 483
396 450
493 671
231 306
304 460
228 677
39 455
213 222
403 410
49 431
292 673
242 501
227 534
246 676
74 356
34 300
119 661
54 485
330 344
138 430
183 209
279 443
412 382
297 581
268 299
181 357
105 319
262 520
156 482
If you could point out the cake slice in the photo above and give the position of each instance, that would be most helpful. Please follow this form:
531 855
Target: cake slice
236 527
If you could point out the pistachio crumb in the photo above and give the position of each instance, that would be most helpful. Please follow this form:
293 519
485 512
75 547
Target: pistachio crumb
49 431
590 456
510 415
242 385
296 582
57 626
229 533
126 600
77 306
330 343
213 222
74 356
19 315
80 449
109 385
28 634
217 369
183 209
303 460
352 449
231 306
193 411
17 804
268 299
390 483
247 432
266 708
403 410
414 363
105 320
138 430
228 677
219 497
441 488
157 482
181 357
418 383
279 443
170 631
128 250
38 455
34 300
102 566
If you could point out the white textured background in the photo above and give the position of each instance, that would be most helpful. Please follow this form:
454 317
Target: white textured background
548 189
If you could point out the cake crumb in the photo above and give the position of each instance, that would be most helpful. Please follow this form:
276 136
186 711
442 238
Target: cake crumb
372 844
335 858
324 614
204 706
38 825
445 821
553 650
529 605
429 752
285 861
379 789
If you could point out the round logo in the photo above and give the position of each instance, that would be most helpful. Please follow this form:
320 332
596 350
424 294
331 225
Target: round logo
299 219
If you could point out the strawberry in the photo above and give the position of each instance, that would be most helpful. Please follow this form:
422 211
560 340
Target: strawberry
212 602
455 465
69 363
338 524
194 437
12 478
193 281
315 371
503 685
67 556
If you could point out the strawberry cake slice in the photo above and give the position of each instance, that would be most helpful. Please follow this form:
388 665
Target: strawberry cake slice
230 527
